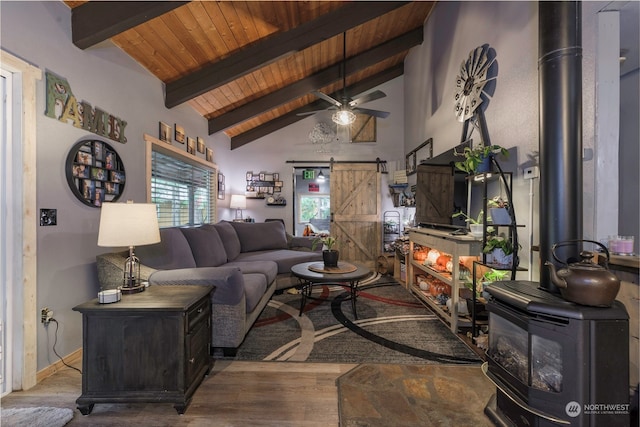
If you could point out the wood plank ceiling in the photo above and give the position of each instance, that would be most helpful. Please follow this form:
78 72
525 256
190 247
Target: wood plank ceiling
248 67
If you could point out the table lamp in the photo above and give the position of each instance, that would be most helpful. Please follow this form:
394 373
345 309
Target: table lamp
129 224
238 203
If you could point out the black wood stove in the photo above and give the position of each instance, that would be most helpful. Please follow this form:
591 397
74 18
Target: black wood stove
554 362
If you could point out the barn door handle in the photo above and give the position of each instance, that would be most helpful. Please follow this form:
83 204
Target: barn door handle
331 217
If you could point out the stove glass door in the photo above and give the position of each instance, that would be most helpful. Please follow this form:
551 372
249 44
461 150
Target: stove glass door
546 364
509 347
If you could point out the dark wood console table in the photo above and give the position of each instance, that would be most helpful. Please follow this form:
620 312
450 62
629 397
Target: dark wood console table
149 347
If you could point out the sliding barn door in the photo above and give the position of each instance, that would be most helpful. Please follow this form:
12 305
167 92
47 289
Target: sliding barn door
355 211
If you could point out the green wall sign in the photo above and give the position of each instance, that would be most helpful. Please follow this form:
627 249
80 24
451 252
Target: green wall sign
62 105
308 174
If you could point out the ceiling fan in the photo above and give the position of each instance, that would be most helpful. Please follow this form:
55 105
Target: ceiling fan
347 107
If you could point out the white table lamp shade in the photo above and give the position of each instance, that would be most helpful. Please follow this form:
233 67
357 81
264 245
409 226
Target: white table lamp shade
238 202
128 224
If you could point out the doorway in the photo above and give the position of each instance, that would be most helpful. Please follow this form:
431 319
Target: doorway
312 203
18 250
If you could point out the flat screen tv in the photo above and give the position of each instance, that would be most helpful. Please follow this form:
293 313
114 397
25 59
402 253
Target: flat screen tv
441 191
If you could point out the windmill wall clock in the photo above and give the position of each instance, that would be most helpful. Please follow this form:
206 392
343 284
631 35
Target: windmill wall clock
472 91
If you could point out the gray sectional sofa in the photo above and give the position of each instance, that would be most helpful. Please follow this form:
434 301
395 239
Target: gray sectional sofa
246 262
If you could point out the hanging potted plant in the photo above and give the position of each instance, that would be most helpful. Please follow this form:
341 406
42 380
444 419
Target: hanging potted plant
330 256
500 249
499 210
478 160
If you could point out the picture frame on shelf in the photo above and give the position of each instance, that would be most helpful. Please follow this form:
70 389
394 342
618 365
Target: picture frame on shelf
98 150
80 171
200 145
98 174
84 158
179 134
112 188
110 160
209 154
221 186
191 145
164 132
117 177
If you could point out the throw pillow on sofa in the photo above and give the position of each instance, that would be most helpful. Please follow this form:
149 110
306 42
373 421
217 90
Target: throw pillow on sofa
261 236
206 246
229 238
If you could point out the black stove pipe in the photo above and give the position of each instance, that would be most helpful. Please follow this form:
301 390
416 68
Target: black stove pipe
560 103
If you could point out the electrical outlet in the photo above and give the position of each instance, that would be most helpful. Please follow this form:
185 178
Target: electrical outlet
532 172
46 315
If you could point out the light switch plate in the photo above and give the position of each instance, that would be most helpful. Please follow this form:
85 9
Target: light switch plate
48 217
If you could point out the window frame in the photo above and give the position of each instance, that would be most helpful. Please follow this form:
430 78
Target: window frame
154 144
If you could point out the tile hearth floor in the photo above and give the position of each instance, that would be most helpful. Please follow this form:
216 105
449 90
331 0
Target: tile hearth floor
410 395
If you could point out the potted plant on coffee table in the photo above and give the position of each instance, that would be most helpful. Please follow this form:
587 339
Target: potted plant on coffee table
478 159
330 256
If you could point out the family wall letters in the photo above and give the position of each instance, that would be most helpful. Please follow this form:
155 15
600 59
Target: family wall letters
62 105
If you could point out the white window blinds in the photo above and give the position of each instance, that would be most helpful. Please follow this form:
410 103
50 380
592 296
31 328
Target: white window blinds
184 193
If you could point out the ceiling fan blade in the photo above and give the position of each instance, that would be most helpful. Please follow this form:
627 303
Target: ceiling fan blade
327 98
375 113
377 94
308 113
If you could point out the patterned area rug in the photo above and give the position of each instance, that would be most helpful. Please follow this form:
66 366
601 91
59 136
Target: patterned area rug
36 417
392 327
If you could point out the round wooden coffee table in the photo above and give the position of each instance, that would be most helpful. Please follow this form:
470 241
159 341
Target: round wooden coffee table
314 273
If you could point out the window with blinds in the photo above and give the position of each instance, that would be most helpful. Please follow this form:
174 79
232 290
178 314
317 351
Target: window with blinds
183 192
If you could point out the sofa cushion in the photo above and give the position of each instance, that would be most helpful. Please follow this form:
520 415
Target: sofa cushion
285 258
229 238
172 252
228 281
260 236
268 269
206 246
255 285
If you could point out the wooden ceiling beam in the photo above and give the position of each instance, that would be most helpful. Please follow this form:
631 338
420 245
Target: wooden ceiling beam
292 116
316 81
272 48
96 21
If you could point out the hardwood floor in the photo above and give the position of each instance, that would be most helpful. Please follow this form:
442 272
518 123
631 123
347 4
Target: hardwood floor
234 394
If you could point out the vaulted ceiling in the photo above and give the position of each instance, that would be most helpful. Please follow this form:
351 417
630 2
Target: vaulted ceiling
248 67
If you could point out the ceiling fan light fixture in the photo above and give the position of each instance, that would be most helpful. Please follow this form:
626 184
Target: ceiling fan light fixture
343 117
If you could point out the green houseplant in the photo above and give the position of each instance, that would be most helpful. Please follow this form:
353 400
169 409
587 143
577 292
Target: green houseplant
330 256
474 157
475 224
501 249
